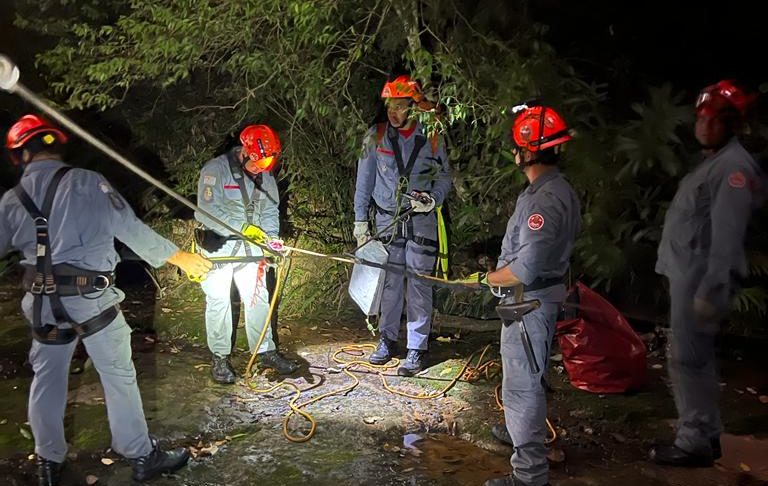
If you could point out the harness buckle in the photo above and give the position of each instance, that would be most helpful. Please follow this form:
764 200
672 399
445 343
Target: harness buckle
41 222
101 282
36 288
49 289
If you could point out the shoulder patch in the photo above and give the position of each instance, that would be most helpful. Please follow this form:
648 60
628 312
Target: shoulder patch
208 193
737 180
535 222
209 180
105 187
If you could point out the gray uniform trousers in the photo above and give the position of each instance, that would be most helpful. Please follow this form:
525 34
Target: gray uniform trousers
110 351
693 368
415 258
523 392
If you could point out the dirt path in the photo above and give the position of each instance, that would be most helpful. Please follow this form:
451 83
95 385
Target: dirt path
368 436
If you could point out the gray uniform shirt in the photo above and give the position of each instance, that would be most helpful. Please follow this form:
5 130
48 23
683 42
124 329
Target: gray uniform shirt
86 216
541 233
218 192
378 175
706 222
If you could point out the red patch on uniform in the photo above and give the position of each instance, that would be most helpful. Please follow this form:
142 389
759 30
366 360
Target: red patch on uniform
737 180
231 186
385 151
535 222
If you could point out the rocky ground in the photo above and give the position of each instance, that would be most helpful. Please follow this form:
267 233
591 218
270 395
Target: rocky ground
367 436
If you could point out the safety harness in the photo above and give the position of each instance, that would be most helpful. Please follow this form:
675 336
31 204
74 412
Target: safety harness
44 279
405 229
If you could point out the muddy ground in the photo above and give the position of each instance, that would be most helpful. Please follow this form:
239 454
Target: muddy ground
367 436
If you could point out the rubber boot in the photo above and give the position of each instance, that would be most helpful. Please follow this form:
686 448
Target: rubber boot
158 462
274 360
48 472
222 371
385 351
413 364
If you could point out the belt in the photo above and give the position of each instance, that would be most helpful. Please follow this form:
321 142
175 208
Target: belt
69 280
52 334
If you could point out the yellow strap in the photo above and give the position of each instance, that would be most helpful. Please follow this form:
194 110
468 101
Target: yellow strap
442 243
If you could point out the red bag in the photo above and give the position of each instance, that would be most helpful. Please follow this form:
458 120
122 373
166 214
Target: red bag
601 351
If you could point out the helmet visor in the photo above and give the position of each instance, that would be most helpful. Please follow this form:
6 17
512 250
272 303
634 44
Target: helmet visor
254 166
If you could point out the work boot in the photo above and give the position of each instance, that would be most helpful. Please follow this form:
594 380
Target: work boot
385 350
48 472
158 462
274 360
414 362
508 480
222 371
671 455
500 433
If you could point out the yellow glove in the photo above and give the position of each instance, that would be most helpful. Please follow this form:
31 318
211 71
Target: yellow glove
192 264
475 280
254 233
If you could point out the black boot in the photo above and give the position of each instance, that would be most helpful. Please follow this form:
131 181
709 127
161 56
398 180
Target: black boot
671 455
158 462
222 371
500 433
509 480
274 360
385 351
414 363
48 472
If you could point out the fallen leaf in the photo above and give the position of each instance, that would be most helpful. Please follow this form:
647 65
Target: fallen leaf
313 328
3 422
25 433
149 339
589 430
72 456
446 371
763 399
444 339
556 357
407 469
372 420
556 455
107 461
740 392
175 350
202 365
744 467
31 457
90 480
657 366
165 309
751 390
618 437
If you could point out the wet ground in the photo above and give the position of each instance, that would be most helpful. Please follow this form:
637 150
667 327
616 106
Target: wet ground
367 436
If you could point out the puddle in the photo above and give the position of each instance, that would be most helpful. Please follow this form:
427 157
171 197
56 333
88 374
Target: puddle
448 460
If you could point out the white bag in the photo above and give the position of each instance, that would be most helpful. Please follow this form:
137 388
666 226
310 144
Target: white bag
367 282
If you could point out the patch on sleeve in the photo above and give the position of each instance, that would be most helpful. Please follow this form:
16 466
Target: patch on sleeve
209 180
737 180
208 193
535 222
105 187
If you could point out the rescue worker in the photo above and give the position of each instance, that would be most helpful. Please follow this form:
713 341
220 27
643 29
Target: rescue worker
399 159
702 255
238 188
534 260
64 221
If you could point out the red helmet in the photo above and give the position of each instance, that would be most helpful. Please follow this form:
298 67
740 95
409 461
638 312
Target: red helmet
538 128
262 146
27 127
721 96
402 87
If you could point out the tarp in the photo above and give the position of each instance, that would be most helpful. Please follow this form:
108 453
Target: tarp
601 351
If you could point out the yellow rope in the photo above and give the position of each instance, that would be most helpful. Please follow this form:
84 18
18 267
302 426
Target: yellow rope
490 369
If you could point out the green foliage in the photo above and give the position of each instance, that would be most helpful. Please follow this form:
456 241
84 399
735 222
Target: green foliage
186 74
